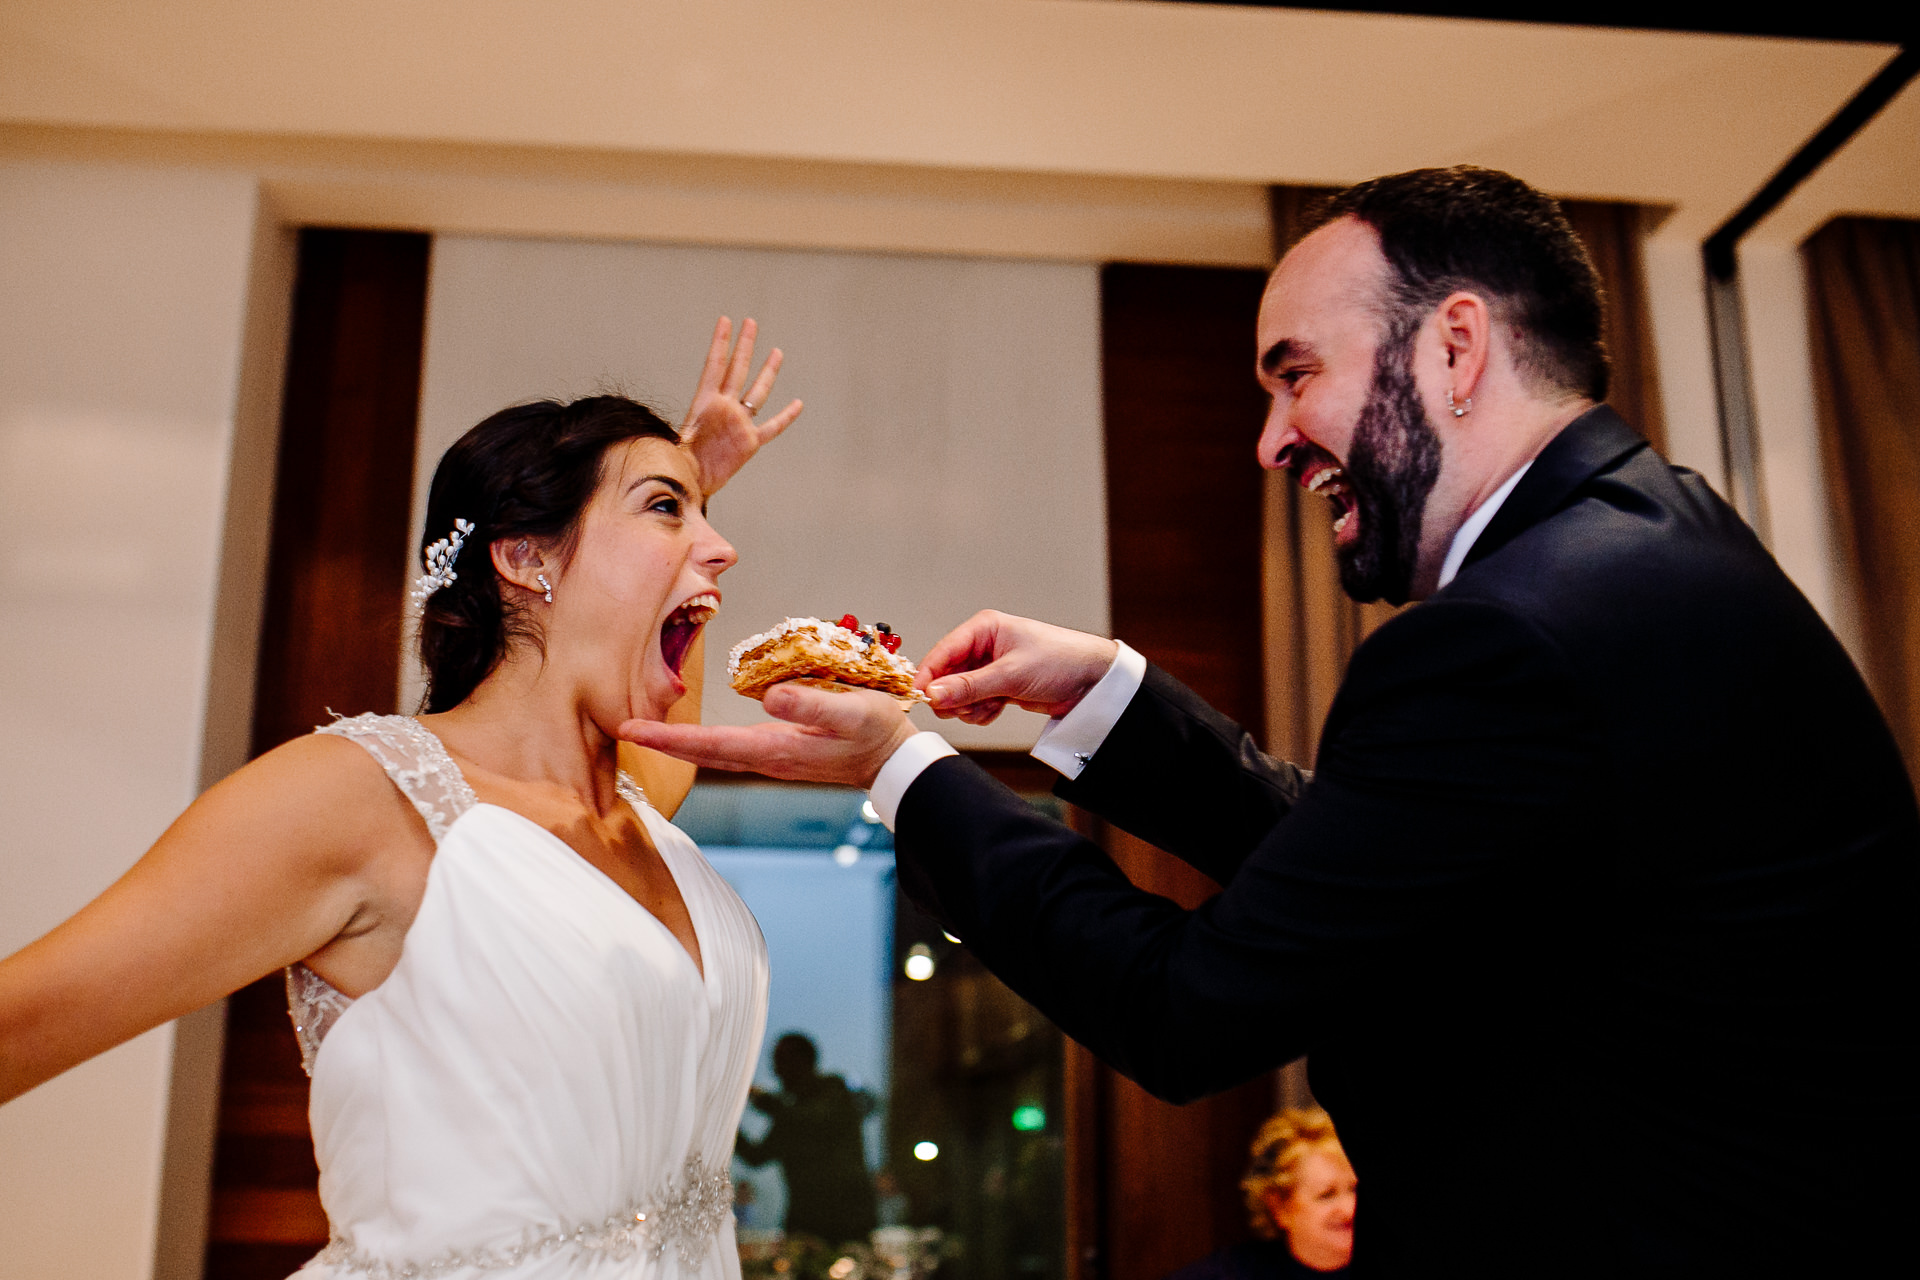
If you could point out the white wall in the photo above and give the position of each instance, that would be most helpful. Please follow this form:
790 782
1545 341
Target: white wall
1773 296
949 459
122 307
1683 353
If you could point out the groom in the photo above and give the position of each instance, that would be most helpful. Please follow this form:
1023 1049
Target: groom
1597 916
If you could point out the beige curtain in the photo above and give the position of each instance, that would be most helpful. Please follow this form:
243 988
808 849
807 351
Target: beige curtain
1312 628
1863 279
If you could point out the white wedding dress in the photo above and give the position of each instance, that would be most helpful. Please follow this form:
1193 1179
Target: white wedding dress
546 1086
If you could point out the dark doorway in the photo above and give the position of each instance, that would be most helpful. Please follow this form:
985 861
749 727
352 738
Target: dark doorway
1154 1186
330 638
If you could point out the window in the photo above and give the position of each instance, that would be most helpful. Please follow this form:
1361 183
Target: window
906 1101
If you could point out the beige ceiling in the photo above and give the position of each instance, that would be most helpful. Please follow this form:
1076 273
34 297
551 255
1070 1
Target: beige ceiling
1196 95
1877 174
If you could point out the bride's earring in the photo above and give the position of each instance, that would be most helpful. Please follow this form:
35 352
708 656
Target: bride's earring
541 578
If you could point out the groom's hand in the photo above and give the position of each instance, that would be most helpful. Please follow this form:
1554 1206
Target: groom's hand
827 735
995 659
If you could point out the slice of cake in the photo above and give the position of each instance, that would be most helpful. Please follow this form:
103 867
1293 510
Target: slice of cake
816 652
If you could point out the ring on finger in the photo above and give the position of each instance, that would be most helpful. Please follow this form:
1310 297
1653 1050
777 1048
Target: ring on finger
749 406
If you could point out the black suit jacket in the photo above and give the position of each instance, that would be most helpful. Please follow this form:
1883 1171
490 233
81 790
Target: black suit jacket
1596 918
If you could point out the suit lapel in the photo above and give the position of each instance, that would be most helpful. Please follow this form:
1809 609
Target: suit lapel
1585 447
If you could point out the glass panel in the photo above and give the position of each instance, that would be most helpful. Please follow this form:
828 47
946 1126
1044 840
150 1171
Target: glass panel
908 1110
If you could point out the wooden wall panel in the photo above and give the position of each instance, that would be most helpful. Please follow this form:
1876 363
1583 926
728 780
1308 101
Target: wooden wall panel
338 568
1184 516
1183 413
336 578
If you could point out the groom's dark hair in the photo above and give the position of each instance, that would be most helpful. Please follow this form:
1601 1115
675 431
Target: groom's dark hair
1486 231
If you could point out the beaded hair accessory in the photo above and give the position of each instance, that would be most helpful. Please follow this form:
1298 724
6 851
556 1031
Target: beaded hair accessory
440 557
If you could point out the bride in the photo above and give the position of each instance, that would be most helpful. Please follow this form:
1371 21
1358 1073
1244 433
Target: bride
530 1009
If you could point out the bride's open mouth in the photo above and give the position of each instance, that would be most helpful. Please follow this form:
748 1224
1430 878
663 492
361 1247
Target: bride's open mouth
1331 484
682 628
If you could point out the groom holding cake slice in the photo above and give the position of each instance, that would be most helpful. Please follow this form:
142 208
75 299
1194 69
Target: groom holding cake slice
1608 852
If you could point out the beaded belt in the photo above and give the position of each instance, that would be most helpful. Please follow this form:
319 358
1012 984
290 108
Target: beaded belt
685 1218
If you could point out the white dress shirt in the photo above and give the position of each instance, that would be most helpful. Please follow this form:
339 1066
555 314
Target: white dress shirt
1474 525
1070 741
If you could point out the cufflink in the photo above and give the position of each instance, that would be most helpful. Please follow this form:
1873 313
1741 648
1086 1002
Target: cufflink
1084 757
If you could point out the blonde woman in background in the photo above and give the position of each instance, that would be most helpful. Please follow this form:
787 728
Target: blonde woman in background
1300 1198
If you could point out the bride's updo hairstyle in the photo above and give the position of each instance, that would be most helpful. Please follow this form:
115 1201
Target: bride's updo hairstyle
526 472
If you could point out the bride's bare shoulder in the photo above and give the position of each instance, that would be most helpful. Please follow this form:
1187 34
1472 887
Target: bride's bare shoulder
324 761
319 790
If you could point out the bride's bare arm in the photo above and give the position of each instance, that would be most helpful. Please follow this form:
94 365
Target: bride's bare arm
266 868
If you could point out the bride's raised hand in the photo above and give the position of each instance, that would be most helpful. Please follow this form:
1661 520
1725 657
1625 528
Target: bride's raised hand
720 429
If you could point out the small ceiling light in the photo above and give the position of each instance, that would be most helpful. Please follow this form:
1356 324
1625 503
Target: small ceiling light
842 1268
926 1150
919 966
1029 1119
846 855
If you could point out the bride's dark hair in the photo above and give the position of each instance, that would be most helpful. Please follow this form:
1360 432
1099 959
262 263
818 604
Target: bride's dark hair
526 472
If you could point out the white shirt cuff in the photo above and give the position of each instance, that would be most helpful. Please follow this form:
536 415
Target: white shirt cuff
908 762
1068 743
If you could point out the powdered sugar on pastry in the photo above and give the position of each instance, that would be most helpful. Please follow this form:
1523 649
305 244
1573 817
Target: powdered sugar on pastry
813 650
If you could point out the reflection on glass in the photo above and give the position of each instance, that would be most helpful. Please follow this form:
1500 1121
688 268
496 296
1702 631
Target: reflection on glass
813 1133
907 1116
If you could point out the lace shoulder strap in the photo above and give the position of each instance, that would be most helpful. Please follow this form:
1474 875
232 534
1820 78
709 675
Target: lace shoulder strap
427 776
416 762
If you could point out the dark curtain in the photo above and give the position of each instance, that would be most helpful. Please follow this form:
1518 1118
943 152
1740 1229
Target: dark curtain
1312 628
1863 277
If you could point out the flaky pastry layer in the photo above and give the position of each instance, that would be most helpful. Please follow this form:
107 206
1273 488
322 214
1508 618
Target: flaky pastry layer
809 649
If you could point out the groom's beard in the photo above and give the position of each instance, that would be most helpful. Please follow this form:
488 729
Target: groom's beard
1391 468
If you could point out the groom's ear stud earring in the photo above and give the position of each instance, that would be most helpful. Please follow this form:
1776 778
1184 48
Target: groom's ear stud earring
1458 410
546 586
